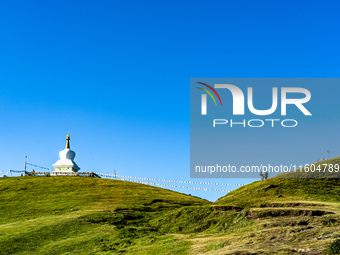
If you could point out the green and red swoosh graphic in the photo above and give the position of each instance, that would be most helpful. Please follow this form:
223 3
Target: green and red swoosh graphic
208 92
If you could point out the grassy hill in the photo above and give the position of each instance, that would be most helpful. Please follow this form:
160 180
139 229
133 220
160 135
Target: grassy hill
81 215
292 186
31 197
324 169
295 212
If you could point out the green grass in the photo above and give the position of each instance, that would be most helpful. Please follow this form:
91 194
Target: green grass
323 169
283 190
334 247
206 219
81 215
31 197
296 212
58 215
293 186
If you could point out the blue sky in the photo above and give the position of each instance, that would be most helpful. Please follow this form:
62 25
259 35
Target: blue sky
108 72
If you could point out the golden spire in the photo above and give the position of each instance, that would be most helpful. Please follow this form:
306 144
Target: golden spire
68 142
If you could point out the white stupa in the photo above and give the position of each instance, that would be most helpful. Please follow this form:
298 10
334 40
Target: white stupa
66 165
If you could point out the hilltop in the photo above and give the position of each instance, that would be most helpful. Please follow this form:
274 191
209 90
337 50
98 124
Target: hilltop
291 186
54 215
295 212
30 197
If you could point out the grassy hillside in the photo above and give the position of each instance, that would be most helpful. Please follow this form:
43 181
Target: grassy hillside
282 190
292 186
296 212
31 197
57 215
75 215
324 169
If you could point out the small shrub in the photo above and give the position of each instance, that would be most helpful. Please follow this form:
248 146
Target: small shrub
334 247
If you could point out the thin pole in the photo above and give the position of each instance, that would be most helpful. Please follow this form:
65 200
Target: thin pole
25 162
115 174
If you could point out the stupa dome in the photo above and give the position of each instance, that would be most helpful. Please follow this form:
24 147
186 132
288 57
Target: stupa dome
67 154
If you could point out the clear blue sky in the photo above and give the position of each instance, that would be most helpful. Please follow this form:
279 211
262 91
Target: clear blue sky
108 72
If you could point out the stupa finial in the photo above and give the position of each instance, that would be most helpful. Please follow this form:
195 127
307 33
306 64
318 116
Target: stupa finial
67 142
